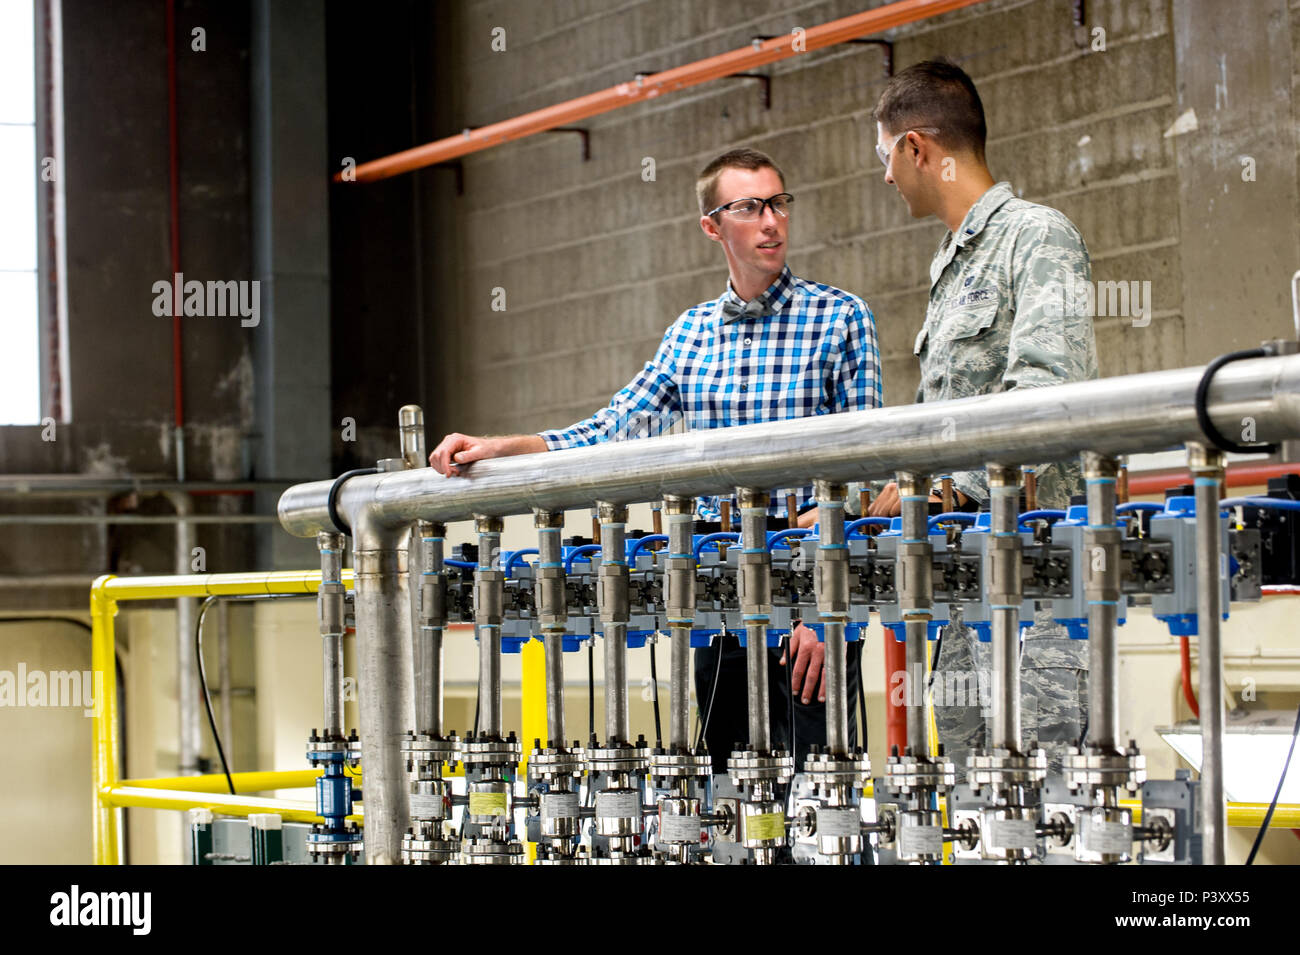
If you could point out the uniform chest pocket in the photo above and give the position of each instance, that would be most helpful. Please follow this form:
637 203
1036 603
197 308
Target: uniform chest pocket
967 321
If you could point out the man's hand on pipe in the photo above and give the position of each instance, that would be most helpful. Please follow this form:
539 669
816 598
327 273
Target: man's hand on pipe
887 503
457 450
809 662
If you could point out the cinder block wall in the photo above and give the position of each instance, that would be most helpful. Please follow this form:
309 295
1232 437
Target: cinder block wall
596 262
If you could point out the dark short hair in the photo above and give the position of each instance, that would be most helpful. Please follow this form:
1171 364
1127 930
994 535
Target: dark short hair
706 183
937 94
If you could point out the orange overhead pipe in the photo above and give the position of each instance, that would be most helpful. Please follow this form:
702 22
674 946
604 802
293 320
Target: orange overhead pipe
652 86
1243 474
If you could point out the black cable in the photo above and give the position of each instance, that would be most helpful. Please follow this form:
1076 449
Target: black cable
862 695
1203 414
203 676
1268 816
654 696
934 662
717 671
591 689
332 502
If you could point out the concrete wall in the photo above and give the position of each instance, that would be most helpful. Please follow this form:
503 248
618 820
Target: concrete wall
597 262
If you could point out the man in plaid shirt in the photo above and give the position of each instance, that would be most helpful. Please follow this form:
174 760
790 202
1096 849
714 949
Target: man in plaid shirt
771 347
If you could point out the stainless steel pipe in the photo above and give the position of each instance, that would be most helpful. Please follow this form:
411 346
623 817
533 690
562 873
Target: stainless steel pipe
1112 416
384 696
916 599
1101 551
615 613
754 583
832 587
431 622
1206 465
489 598
1005 596
552 614
330 610
679 604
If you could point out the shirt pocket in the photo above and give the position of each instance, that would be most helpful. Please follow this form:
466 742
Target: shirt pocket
966 322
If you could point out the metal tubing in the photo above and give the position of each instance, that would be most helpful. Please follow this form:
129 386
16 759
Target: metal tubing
432 621
680 606
832 585
1101 546
330 609
187 677
1206 465
410 420
916 598
553 615
384 695
1005 591
614 616
755 592
489 583
1113 416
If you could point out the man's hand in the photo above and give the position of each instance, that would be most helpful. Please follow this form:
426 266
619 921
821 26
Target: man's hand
808 518
887 503
809 662
457 450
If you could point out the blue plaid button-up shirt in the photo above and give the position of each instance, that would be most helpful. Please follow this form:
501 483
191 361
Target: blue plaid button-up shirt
799 349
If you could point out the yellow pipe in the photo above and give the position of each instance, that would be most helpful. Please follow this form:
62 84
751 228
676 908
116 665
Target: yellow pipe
205 585
104 720
255 782
291 810
1251 815
532 701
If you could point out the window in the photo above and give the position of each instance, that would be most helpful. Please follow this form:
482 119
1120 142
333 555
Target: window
20 396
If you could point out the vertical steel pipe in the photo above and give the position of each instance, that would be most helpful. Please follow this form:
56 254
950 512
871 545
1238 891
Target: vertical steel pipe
916 598
614 616
384 696
431 588
1005 594
329 607
489 598
1206 465
754 585
679 606
832 586
1101 546
552 614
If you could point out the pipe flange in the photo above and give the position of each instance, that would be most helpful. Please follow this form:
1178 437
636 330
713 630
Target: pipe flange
680 765
1000 768
491 852
623 758
418 851
623 860
423 748
751 766
826 769
550 764
490 750
1083 770
907 773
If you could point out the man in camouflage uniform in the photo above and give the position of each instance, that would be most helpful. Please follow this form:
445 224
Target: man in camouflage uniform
998 319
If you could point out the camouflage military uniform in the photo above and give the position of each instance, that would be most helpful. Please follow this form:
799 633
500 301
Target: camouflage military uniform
999 318
1005 313
960 701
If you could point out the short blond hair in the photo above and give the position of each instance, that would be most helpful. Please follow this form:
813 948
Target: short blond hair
706 184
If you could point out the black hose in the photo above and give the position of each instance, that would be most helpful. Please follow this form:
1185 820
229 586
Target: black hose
1203 415
654 696
332 499
1268 816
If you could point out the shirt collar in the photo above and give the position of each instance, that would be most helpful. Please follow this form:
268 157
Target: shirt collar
773 299
972 225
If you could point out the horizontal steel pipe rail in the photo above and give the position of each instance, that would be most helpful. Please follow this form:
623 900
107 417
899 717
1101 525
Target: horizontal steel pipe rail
1121 415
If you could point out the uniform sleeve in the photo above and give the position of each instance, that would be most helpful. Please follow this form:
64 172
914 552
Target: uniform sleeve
648 406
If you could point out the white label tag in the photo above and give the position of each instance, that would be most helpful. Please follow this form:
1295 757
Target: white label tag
618 805
1111 837
920 840
838 822
559 805
1012 834
426 806
679 829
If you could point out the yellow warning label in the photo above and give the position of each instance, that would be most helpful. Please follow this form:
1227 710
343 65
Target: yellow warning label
767 825
487 804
